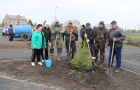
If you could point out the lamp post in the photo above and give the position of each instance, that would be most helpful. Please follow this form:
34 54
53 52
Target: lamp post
55 13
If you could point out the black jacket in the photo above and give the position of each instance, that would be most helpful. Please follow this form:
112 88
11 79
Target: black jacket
47 34
91 34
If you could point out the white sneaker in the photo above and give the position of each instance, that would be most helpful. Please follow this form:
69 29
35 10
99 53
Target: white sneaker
32 63
93 58
40 63
117 70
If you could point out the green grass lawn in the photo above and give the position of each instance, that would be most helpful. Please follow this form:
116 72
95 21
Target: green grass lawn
128 46
0 30
133 36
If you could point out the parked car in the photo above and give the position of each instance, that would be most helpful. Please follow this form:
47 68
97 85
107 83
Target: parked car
5 31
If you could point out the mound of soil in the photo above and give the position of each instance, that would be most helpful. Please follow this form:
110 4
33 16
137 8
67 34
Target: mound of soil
15 45
62 74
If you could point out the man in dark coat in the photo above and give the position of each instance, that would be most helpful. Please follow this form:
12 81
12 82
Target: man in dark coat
91 34
11 33
47 33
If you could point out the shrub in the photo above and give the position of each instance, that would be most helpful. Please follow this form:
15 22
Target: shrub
130 40
133 31
82 62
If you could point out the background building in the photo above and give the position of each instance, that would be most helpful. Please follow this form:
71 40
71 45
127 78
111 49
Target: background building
108 26
15 20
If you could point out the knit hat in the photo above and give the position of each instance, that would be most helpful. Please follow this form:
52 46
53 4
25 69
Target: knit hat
101 22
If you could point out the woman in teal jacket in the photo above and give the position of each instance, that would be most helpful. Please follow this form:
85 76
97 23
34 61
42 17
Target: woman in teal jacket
38 42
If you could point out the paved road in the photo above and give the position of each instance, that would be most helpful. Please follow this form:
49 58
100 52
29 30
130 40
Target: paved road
6 84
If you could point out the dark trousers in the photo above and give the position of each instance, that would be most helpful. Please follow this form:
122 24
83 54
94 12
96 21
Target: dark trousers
116 52
100 48
46 53
72 46
35 52
92 51
11 37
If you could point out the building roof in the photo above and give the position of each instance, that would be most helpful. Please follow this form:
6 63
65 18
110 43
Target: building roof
108 26
73 21
14 17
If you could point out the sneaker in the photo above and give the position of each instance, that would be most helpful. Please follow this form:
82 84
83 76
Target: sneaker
40 63
32 63
93 58
117 70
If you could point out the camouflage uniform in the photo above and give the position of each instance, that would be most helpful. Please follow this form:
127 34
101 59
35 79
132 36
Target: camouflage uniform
59 39
73 39
100 41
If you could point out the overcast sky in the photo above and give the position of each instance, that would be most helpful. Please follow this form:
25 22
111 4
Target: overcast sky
125 12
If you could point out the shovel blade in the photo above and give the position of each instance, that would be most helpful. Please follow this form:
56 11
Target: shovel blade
69 57
109 72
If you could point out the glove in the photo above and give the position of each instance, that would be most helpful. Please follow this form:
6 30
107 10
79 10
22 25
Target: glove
87 40
57 32
49 44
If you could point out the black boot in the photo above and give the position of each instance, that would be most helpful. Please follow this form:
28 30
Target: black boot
72 56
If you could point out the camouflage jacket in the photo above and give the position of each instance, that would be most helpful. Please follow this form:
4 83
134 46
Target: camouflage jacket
67 33
57 27
101 36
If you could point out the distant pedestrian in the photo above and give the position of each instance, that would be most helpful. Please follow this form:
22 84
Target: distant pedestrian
117 35
100 42
91 35
38 41
82 29
47 33
11 33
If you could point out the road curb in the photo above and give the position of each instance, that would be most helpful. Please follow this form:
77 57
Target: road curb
26 81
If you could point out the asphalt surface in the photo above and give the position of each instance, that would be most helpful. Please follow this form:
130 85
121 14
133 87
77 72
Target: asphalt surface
7 84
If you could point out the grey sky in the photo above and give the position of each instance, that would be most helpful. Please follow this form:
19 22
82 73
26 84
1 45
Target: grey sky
125 12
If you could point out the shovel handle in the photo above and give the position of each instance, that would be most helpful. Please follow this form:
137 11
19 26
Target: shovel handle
112 54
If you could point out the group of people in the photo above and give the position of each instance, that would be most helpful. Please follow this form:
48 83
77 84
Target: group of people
98 39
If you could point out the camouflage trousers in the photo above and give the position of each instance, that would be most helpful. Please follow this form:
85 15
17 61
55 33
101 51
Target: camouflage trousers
59 44
102 52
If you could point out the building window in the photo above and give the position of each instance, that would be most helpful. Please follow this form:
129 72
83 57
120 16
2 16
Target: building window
18 19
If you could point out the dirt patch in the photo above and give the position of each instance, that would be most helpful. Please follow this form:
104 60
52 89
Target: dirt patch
137 44
62 74
15 45
22 45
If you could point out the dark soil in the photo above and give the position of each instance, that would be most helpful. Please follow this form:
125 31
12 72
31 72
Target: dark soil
137 44
21 45
15 45
62 74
